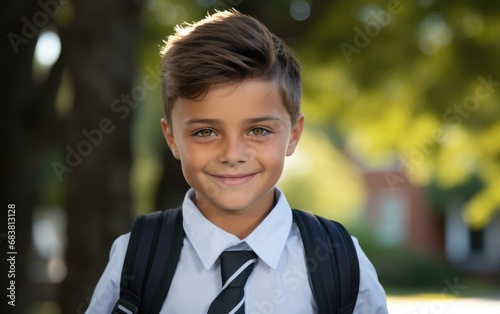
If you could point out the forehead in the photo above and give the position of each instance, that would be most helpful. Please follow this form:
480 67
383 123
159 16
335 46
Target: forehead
233 102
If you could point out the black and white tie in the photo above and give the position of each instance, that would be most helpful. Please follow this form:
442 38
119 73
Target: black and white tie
236 266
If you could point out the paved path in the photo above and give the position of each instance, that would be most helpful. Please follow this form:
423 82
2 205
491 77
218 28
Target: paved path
402 305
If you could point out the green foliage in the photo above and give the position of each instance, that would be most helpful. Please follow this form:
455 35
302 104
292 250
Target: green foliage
320 179
417 87
401 268
409 269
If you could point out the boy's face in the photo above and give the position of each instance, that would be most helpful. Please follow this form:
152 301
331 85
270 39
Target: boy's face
232 145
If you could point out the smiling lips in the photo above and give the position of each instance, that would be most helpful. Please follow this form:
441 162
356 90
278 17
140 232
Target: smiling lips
234 180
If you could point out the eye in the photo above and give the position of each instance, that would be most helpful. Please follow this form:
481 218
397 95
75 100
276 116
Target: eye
204 133
259 132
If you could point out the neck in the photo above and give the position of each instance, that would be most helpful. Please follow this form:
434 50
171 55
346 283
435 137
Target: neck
239 222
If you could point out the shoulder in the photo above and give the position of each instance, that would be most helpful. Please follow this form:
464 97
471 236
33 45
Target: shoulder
371 294
108 288
119 248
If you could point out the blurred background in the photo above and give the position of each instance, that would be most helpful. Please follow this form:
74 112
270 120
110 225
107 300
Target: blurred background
402 144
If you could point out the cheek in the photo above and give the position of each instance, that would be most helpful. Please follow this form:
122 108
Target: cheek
194 158
273 158
190 170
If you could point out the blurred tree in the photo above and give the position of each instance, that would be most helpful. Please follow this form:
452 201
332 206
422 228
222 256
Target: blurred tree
29 126
102 45
412 85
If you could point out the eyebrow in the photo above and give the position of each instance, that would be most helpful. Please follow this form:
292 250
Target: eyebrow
202 121
217 121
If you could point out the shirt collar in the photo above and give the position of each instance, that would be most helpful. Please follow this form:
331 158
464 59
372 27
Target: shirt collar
209 241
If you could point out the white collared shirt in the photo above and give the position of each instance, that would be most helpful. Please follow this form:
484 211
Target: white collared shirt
279 282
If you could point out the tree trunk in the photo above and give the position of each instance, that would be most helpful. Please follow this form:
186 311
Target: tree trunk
173 186
27 106
98 157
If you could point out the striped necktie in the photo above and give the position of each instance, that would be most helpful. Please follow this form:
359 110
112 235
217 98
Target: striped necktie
236 266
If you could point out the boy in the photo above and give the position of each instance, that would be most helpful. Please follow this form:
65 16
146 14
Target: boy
232 93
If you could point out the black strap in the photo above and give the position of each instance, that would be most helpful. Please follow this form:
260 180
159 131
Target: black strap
147 271
332 262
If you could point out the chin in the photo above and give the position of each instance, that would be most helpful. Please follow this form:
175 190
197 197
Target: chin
234 206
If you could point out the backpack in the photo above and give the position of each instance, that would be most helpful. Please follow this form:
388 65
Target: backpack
147 273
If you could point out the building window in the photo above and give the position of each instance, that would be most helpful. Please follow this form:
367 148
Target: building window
476 240
391 226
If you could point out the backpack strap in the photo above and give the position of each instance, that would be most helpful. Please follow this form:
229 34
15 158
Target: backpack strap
332 262
147 271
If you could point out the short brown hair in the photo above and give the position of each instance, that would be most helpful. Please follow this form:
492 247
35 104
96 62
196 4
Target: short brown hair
223 48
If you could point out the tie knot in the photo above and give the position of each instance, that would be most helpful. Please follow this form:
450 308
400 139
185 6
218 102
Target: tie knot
236 266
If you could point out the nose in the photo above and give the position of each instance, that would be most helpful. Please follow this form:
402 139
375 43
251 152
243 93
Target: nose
234 151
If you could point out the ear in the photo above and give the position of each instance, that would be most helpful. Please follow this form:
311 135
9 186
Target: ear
296 133
169 137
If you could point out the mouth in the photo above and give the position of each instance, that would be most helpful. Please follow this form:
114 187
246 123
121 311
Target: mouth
234 179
